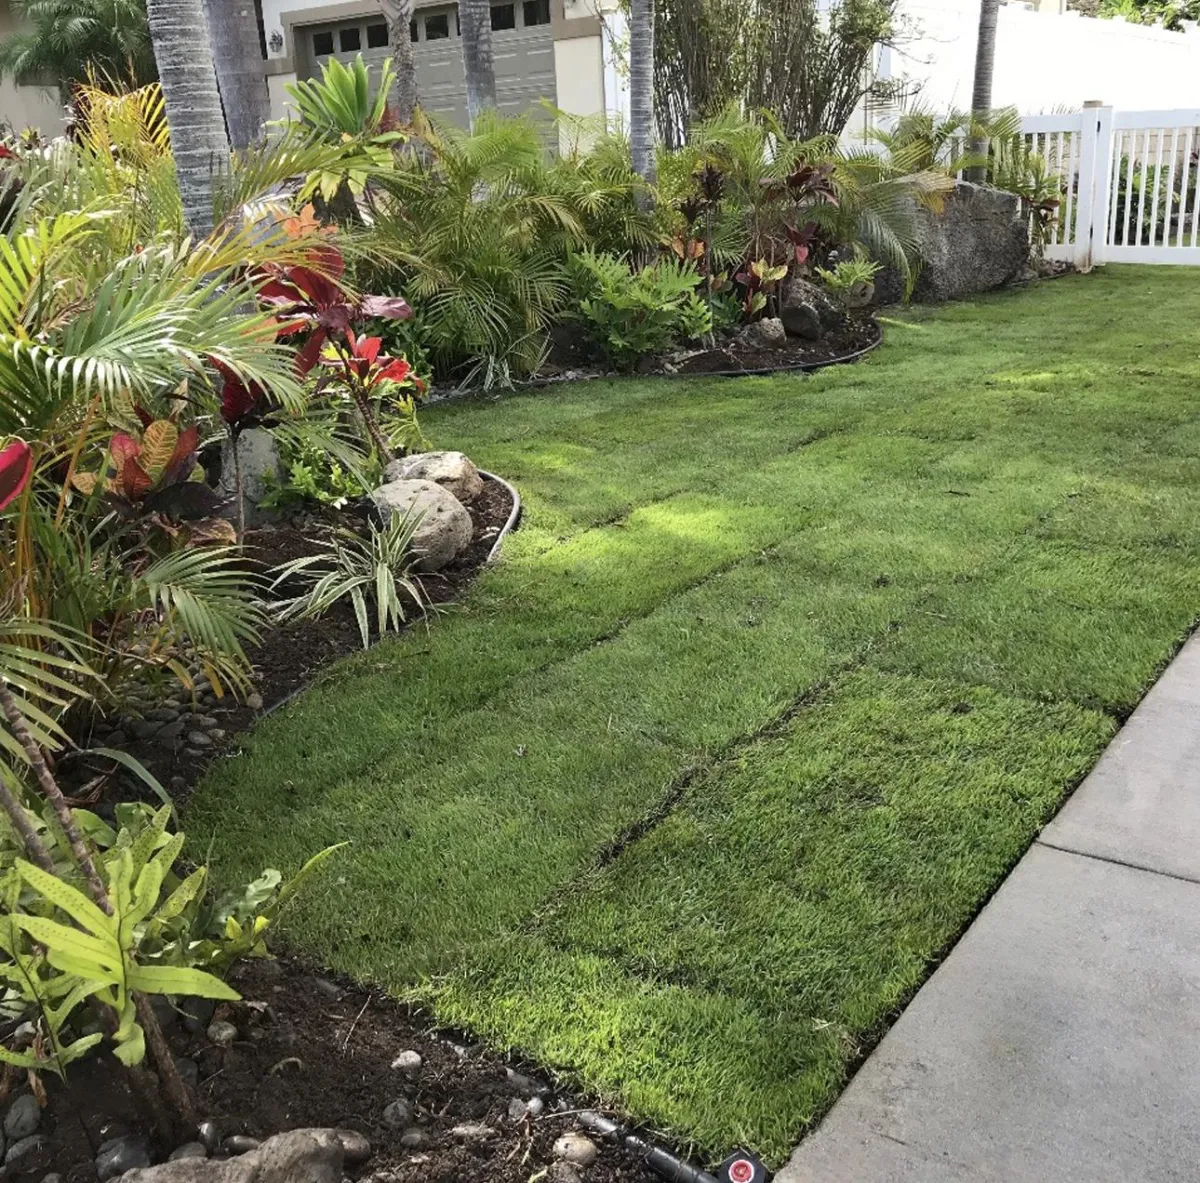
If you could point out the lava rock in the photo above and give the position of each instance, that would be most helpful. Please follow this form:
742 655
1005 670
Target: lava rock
806 310
23 1118
577 1149
118 1155
763 334
444 528
452 470
298 1156
408 1062
222 1033
188 1150
398 1115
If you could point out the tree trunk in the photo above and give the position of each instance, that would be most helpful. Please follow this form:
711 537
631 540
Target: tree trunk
641 93
399 15
237 53
189 82
981 95
475 21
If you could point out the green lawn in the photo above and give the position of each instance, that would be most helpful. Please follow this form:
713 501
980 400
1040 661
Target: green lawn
778 679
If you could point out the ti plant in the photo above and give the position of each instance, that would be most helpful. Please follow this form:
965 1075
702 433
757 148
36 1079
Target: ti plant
759 281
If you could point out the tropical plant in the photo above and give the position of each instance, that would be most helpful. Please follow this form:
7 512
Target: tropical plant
628 314
199 141
479 63
1015 167
310 476
852 281
375 567
72 41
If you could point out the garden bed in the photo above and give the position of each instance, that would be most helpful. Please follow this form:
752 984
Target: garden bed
856 336
310 1052
176 739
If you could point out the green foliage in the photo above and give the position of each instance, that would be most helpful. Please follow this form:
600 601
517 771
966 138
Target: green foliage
364 569
312 477
60 42
629 314
851 280
1169 13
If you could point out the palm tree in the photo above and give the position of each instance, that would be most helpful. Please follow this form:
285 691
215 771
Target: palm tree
399 15
475 21
233 27
189 82
641 91
981 95
69 39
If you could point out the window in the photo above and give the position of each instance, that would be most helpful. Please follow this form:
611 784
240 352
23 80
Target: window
437 28
537 12
412 31
322 44
504 16
350 39
377 37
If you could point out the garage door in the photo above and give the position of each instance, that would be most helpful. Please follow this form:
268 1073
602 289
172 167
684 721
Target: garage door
521 43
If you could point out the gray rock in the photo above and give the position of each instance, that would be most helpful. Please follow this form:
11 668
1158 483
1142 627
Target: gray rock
564 1172
116 739
471 1131
452 470
254 700
198 739
189 1071
240 1144
525 1084
329 989
177 784
209 1135
413 1138
188 1150
398 1115
356 1147
259 458
27 1155
298 1156
978 242
163 714
222 1033
168 735
52 1177
408 1062
806 310
763 334
577 1149
164 1011
517 1109
23 1118
444 528
534 1106
118 1155
145 728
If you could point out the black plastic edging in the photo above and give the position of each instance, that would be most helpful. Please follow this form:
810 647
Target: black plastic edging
508 527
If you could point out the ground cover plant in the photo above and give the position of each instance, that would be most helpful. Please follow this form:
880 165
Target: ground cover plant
776 682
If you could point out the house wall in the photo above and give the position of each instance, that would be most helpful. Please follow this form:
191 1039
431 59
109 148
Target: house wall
577 31
26 106
1046 60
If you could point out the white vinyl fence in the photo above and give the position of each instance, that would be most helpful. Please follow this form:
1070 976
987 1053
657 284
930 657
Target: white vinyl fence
1130 192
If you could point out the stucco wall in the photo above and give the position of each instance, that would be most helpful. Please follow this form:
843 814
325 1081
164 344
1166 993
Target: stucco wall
26 106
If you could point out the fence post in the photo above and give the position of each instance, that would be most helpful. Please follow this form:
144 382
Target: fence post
1095 182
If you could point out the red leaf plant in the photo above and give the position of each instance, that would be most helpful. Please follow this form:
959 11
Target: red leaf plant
16 467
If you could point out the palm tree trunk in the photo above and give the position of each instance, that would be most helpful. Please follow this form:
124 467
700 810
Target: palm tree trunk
475 20
189 82
399 15
981 95
641 93
237 53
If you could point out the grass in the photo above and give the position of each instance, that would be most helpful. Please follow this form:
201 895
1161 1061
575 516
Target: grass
778 679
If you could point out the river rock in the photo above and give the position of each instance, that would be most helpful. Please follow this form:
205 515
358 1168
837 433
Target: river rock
564 1172
240 1144
444 528
23 1118
452 470
222 1033
577 1149
398 1115
118 1155
408 1062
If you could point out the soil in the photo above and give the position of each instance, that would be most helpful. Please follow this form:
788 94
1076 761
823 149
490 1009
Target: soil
312 1052
855 334
288 658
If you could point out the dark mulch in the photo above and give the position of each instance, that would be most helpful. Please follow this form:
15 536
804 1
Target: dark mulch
315 1053
855 334
289 657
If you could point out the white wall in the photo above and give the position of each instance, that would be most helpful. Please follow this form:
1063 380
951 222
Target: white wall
1045 61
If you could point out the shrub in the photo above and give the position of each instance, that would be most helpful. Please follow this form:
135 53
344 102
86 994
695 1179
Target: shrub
628 314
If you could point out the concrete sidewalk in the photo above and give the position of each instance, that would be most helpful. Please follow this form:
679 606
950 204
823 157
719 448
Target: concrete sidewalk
1060 1040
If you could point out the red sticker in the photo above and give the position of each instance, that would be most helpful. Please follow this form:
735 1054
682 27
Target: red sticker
741 1171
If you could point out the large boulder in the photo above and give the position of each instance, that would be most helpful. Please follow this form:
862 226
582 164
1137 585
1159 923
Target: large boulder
806 310
259 456
452 470
979 241
298 1156
445 528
